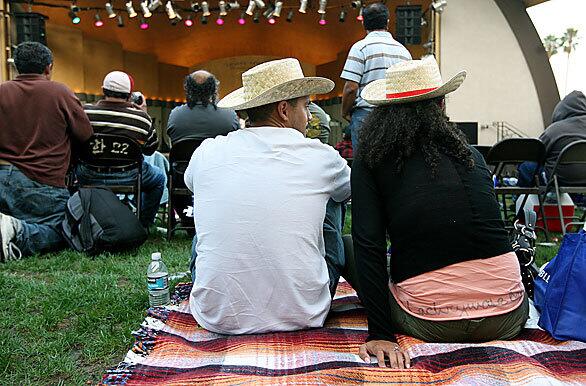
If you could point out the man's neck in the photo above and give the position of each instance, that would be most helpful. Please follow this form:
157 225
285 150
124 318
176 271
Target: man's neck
32 74
272 122
377 30
114 100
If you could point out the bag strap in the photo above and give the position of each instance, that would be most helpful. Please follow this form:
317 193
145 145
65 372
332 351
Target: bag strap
524 236
85 226
528 216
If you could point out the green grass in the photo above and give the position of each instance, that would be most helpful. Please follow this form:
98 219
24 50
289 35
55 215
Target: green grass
543 254
67 317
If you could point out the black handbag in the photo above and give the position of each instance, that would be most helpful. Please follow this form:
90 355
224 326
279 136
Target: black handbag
523 243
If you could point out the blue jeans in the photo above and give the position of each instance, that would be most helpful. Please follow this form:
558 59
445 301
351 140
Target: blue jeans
527 172
153 184
40 209
335 258
356 121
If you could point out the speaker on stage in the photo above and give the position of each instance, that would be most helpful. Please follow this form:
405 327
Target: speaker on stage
471 131
30 27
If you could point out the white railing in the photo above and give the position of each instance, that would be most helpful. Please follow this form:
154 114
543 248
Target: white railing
506 130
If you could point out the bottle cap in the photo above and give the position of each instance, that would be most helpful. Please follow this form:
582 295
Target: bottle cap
156 256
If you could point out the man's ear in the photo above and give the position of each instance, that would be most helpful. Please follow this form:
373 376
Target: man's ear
48 71
283 110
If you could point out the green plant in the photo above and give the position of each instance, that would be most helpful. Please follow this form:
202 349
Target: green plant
552 44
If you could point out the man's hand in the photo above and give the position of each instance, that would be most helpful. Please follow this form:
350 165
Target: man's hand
383 349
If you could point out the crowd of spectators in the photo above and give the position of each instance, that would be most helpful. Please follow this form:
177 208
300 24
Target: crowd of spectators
269 195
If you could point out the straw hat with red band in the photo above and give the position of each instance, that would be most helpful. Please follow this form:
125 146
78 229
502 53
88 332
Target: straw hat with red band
411 81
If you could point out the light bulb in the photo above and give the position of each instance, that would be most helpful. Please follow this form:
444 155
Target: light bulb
303 6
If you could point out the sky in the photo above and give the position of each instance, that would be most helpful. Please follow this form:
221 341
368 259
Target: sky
554 17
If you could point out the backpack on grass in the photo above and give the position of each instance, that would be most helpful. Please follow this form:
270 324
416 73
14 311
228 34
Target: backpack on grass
96 221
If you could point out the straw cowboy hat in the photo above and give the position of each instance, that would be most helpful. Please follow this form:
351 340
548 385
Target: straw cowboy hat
274 81
411 81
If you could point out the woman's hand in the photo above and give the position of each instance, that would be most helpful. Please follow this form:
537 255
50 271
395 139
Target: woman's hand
398 358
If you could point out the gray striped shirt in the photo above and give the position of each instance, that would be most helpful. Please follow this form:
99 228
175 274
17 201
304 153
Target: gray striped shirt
369 58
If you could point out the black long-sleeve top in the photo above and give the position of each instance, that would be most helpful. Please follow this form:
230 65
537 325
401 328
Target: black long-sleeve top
431 223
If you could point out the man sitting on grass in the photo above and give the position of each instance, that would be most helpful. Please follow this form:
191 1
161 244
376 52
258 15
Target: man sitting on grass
40 123
260 200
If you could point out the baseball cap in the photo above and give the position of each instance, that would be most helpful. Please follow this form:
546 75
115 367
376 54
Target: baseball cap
118 81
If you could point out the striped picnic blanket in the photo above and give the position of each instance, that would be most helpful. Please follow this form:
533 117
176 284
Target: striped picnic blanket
171 349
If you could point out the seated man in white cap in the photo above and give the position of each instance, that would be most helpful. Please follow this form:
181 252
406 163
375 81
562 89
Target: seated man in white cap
115 114
260 200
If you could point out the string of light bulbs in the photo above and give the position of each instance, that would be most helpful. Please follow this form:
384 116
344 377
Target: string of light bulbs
271 11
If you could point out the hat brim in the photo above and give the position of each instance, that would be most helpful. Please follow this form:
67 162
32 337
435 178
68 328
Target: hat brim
375 92
289 90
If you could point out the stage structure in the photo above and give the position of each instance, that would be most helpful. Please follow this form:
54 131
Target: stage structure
160 41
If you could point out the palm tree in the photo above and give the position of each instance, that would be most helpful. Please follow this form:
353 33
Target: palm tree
569 41
551 44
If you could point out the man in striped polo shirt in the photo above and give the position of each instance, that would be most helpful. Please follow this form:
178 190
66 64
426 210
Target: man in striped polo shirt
367 61
115 114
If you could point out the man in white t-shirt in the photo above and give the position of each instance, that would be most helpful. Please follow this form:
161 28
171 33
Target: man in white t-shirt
260 198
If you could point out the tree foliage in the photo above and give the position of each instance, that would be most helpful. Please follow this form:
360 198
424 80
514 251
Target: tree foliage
552 44
569 40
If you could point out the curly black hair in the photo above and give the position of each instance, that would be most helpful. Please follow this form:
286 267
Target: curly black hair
32 58
400 130
205 92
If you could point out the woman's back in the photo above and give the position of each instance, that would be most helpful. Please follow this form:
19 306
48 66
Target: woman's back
433 222
453 275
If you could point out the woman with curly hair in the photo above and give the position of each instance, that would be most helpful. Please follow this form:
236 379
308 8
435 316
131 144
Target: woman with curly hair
453 276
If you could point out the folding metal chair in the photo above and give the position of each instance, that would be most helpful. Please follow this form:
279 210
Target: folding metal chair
511 152
109 153
574 153
179 157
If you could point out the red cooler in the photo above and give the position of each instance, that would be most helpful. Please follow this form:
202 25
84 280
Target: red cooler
551 211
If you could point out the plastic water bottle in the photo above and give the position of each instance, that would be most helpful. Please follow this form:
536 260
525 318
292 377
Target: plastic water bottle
510 181
158 281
